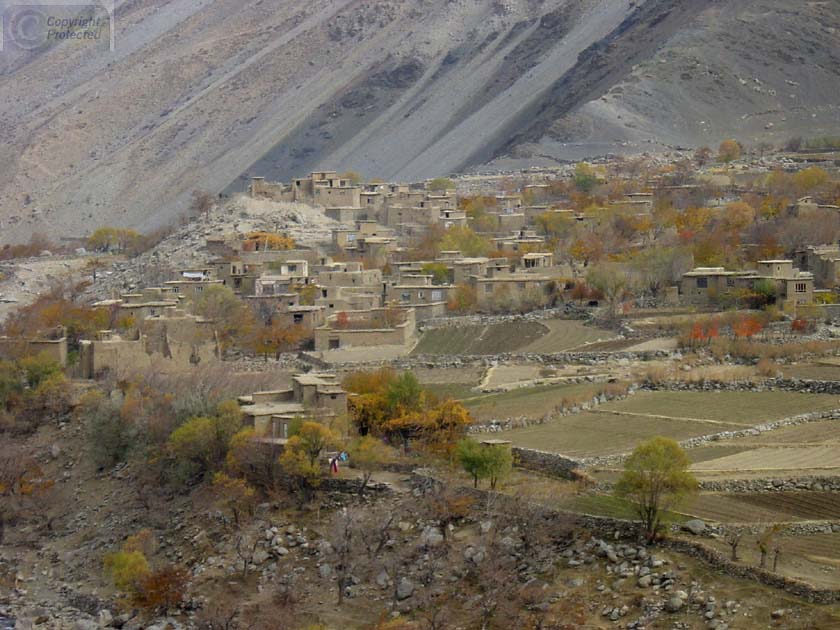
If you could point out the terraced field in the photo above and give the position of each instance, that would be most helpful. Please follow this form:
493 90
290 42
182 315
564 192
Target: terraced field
769 507
734 408
775 460
618 426
592 434
547 336
814 558
531 402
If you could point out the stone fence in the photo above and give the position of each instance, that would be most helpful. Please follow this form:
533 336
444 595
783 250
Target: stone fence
720 562
488 360
569 311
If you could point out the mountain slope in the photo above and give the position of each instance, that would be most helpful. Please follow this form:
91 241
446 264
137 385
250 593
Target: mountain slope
199 94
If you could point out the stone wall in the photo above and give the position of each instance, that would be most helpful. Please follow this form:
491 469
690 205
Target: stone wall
773 484
565 312
722 563
552 464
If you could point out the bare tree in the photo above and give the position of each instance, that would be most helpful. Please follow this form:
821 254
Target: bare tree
202 203
733 539
245 549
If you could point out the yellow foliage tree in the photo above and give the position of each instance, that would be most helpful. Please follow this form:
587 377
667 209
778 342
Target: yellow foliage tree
729 151
263 241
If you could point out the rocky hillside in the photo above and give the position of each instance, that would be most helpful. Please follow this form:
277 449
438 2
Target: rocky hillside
198 94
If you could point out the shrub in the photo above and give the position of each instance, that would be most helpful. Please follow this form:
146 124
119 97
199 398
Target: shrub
111 436
126 569
162 590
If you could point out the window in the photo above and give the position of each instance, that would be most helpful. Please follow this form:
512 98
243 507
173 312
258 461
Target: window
421 295
298 318
730 282
702 283
437 295
405 296
488 288
801 287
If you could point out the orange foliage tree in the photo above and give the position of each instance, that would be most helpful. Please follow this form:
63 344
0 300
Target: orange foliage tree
747 327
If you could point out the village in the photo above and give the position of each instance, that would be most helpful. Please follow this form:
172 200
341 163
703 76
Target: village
475 355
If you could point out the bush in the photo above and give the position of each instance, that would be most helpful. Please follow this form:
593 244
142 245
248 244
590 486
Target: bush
126 569
162 590
201 444
111 436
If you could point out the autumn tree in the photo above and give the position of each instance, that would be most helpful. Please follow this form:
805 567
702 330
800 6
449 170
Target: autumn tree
234 494
275 338
313 438
353 177
702 156
252 460
22 480
200 445
656 479
729 151
220 305
268 241
162 590
109 239
463 299
809 179
747 327
300 457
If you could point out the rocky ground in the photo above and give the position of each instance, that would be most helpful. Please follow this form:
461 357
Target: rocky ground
199 95
184 247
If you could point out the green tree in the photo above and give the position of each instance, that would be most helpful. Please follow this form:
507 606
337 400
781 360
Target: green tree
484 461
111 436
656 479
466 241
470 456
585 178
39 368
440 184
202 442
438 271
404 394
611 282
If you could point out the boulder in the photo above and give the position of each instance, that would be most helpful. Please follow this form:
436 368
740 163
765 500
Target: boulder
674 604
106 619
695 526
405 589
